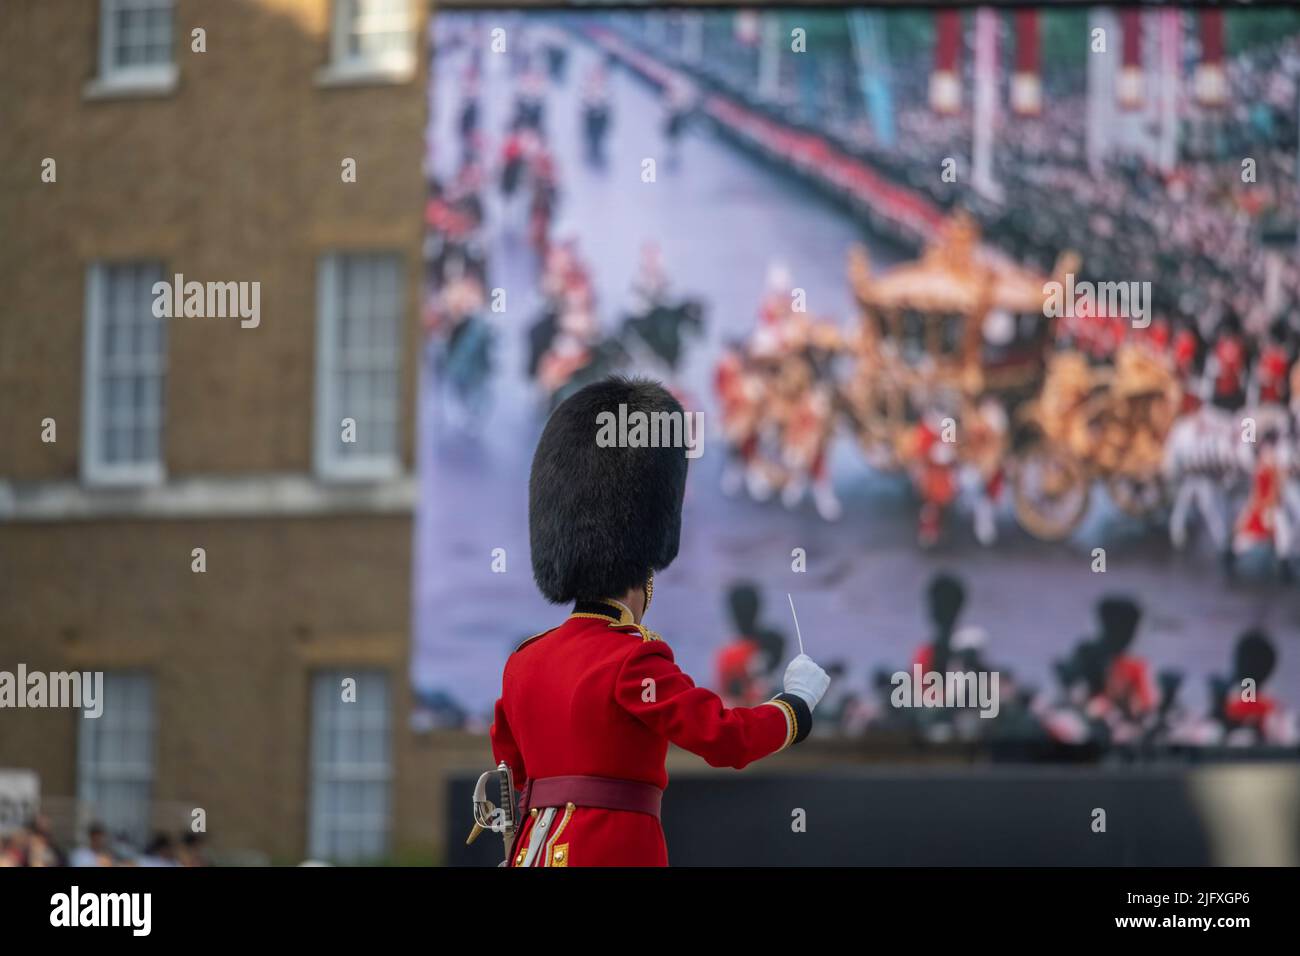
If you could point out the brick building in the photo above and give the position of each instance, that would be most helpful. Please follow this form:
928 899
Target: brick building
145 139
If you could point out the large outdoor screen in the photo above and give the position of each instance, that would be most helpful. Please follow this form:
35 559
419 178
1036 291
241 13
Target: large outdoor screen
991 318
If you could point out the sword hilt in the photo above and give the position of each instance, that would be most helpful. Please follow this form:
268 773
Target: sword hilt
507 794
499 819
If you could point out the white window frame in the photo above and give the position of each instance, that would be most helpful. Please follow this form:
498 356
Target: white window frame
330 463
328 712
147 78
94 770
94 469
345 68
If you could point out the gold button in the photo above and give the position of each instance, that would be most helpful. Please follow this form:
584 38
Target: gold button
559 854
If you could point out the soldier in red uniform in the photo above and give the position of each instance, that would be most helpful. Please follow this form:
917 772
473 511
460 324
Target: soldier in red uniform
1264 519
588 708
1245 705
1186 351
1273 368
935 475
1226 366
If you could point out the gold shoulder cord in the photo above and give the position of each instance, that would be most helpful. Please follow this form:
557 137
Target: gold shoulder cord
646 633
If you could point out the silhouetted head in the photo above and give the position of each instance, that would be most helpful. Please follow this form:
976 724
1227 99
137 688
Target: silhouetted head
161 846
1119 618
97 837
744 602
1280 332
946 595
1254 657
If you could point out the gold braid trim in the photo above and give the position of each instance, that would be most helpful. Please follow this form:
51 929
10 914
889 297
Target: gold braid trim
791 722
551 849
624 613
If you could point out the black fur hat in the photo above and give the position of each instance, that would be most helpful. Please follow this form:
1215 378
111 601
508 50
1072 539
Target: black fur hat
744 601
1119 616
946 595
600 519
1254 656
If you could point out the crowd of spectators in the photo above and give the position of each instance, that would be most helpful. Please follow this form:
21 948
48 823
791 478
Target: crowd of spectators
36 845
1195 231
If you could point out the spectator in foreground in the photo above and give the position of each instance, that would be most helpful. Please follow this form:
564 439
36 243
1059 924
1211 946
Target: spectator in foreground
40 830
161 851
40 851
192 851
96 852
10 850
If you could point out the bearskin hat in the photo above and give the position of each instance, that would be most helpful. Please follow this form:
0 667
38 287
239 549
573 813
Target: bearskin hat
744 601
1119 616
946 595
601 519
1255 656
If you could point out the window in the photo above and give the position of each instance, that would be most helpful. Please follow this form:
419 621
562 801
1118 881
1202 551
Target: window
358 362
372 37
115 757
135 44
351 767
125 373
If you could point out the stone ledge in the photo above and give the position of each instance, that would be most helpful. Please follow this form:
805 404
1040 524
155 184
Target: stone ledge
226 496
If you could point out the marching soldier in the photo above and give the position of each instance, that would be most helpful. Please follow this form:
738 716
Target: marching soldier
588 708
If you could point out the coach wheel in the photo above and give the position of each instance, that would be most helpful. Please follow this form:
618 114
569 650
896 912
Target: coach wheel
1051 492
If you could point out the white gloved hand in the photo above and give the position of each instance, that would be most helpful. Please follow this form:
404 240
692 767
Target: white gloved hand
804 678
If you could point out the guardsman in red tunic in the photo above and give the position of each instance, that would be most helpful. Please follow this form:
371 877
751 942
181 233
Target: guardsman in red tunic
1226 366
1264 518
935 475
1186 350
1273 368
588 708
1246 705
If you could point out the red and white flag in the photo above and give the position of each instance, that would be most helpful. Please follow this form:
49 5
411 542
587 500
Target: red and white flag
1210 82
945 81
1129 91
1026 81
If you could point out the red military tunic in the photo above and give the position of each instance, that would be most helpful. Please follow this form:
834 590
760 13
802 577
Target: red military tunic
1274 364
600 696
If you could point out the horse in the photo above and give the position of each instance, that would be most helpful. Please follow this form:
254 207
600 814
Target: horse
663 328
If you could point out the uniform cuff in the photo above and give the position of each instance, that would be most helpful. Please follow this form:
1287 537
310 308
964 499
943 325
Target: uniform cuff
798 713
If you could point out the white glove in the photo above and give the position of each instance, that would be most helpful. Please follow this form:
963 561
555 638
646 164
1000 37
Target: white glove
804 678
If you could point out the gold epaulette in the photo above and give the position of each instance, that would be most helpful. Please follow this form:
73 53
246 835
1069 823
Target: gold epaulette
645 632
526 641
